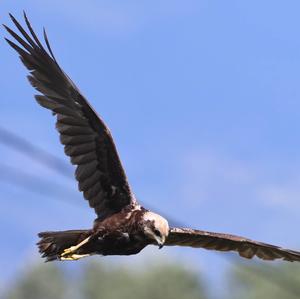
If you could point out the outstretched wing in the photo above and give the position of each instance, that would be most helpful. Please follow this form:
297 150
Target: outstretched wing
86 139
223 242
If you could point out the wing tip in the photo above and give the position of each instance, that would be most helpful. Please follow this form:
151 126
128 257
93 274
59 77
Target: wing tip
11 16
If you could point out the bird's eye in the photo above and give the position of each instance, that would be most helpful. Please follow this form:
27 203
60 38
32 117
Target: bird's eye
157 232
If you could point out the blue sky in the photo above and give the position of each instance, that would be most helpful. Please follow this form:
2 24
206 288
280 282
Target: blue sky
202 98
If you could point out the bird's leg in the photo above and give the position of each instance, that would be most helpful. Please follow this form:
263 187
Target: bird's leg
74 257
72 249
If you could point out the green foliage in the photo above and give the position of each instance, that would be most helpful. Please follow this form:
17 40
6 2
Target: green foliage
97 280
45 281
265 281
103 281
159 281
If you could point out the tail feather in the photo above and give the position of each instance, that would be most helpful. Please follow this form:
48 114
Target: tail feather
52 244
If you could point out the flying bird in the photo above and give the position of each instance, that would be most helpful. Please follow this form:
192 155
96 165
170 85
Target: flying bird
122 226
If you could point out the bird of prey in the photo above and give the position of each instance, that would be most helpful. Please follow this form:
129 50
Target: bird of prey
122 226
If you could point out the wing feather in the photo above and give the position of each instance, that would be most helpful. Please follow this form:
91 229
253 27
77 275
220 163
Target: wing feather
86 139
223 242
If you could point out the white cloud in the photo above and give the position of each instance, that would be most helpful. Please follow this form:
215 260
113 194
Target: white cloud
207 174
210 176
284 195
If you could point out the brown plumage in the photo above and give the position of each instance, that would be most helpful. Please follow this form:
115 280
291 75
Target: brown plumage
122 226
225 242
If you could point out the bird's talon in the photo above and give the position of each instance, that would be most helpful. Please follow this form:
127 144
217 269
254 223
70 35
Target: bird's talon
73 257
68 251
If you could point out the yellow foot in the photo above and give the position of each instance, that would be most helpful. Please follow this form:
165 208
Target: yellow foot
69 250
72 249
74 257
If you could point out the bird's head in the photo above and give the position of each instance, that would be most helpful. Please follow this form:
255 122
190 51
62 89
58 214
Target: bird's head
156 228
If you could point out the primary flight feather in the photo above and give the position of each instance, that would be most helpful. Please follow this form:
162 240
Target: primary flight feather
122 226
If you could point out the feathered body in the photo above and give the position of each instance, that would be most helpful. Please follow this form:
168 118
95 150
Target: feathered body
120 234
122 227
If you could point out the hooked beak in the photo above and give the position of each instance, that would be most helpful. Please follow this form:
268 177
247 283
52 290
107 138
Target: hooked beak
160 242
155 239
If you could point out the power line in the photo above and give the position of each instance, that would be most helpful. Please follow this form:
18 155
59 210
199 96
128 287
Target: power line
36 184
45 158
24 146
29 182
